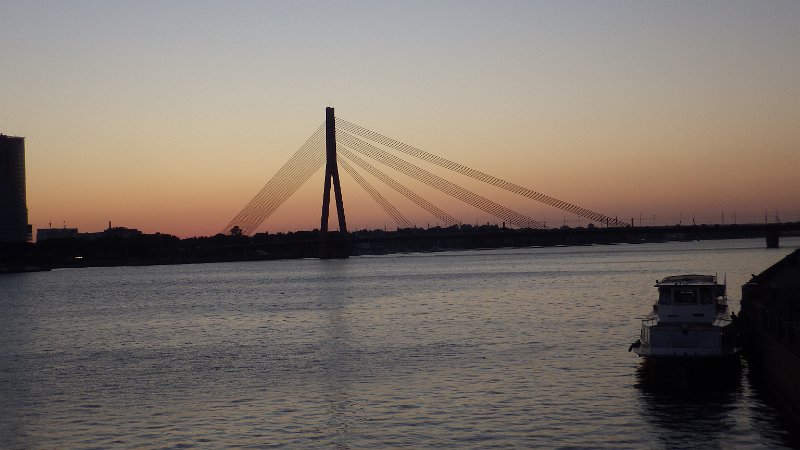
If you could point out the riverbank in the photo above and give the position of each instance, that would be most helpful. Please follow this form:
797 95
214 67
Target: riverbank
163 249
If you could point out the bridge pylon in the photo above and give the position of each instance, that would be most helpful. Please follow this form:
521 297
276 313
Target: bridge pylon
330 247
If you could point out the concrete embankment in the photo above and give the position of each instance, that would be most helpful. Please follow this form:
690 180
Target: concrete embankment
771 317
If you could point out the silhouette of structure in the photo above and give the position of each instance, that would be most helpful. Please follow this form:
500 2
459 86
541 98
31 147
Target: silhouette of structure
340 248
13 205
331 176
339 142
770 316
43 234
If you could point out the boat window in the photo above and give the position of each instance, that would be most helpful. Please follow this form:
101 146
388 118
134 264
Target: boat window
685 296
664 296
705 296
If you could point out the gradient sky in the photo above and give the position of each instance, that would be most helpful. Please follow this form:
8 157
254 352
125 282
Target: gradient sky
170 116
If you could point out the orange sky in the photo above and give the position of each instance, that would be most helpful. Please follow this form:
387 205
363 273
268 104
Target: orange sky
170 117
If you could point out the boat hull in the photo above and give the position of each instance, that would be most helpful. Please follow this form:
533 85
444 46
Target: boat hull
687 341
706 375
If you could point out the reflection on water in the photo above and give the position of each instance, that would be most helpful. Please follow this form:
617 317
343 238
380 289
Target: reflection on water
771 419
690 402
700 406
336 348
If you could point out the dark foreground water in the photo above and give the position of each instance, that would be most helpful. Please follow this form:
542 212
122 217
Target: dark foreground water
501 348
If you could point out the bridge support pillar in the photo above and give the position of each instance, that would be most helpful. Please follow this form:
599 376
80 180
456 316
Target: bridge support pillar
773 238
330 247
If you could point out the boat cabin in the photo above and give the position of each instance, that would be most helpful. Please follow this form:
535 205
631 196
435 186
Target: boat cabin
689 299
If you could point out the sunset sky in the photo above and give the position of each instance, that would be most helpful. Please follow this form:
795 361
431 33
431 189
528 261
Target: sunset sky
170 116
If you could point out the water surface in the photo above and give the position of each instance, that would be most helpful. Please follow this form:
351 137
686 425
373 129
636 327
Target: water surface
496 348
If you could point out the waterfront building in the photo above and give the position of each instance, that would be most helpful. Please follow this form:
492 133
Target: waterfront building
771 314
42 234
13 205
120 232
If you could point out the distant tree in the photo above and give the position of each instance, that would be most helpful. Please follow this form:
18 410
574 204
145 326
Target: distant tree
236 231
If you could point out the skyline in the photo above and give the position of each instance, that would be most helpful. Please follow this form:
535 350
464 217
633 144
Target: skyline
170 117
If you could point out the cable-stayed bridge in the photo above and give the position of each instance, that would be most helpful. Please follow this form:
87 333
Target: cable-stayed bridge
358 150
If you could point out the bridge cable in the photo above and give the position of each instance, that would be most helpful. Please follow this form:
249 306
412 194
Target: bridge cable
460 193
265 209
447 219
437 182
401 221
463 194
300 167
307 160
478 175
284 183
445 186
287 181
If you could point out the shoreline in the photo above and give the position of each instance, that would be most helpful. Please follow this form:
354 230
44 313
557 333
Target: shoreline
160 249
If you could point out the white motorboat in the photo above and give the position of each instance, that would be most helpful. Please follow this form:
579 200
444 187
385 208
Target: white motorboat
690 320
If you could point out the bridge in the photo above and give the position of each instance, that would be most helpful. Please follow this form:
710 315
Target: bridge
340 143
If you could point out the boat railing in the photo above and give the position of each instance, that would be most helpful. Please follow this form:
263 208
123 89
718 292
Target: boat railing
719 322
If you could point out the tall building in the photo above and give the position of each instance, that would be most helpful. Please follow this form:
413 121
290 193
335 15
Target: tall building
13 207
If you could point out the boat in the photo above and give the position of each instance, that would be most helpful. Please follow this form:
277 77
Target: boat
690 321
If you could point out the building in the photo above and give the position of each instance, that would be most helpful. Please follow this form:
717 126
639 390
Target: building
43 234
120 232
771 314
13 205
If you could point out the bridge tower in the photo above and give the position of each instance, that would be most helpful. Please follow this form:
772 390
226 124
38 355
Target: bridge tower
332 248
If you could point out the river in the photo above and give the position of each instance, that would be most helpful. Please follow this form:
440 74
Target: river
519 348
